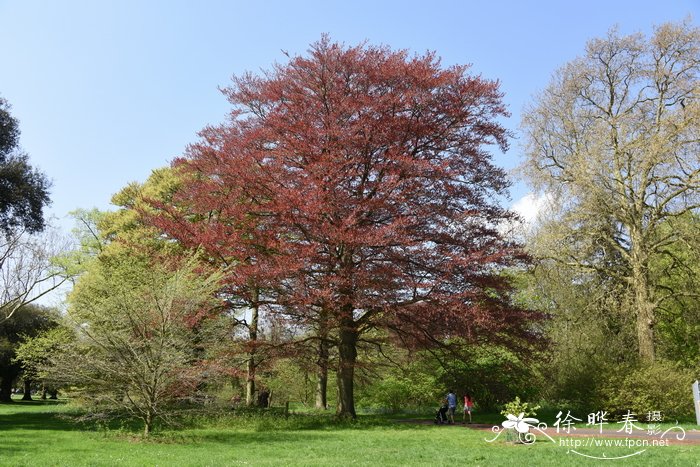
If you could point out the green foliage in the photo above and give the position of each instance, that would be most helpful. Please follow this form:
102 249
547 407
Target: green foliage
662 386
135 348
395 393
89 242
589 327
517 407
492 374
127 228
24 190
290 379
29 321
676 271
33 353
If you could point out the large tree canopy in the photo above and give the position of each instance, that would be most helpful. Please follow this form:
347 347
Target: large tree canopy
615 140
355 182
24 191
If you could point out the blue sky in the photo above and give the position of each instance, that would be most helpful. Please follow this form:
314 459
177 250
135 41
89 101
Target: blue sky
107 91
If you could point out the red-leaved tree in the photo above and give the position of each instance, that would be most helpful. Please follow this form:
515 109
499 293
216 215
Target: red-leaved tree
354 186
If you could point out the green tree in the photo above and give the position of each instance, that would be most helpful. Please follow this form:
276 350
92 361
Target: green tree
614 141
589 330
34 353
677 269
244 292
30 321
135 349
24 191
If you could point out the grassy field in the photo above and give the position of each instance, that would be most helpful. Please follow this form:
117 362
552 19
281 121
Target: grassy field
48 434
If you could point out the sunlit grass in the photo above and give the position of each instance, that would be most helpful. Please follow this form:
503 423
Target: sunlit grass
48 434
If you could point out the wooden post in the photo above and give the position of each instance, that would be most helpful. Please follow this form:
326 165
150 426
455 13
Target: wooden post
696 400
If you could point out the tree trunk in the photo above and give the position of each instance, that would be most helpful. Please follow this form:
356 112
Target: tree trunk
347 352
322 363
643 305
252 363
147 423
644 309
250 381
6 390
27 390
322 386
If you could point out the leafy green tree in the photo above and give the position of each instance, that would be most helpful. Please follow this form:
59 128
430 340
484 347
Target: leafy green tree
244 292
676 269
30 321
34 353
135 349
613 141
88 240
24 191
662 387
589 330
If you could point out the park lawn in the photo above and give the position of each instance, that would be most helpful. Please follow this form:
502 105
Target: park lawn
40 434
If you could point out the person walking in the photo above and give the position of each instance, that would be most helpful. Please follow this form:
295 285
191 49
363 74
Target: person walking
451 406
468 404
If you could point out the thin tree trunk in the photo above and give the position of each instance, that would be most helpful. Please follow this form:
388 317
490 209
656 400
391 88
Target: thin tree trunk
250 380
322 363
147 423
252 363
27 390
347 352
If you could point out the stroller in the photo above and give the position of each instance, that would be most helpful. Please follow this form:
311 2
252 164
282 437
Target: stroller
441 414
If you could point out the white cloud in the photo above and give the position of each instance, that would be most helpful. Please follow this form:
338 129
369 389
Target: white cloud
531 206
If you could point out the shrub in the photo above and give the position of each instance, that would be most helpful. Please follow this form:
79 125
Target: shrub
394 393
517 407
662 387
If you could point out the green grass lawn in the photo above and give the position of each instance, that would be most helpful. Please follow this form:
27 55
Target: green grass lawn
47 434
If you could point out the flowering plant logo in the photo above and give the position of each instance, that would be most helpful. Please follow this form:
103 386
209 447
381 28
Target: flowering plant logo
523 426
525 430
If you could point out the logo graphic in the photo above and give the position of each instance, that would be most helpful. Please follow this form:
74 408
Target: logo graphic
522 426
526 430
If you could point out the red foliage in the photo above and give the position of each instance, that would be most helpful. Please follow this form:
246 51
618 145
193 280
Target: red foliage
357 181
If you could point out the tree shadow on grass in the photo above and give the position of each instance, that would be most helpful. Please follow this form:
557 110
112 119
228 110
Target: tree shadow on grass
234 438
28 415
21 449
43 421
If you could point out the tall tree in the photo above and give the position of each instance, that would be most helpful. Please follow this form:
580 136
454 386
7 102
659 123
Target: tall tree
24 191
614 139
363 178
25 269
